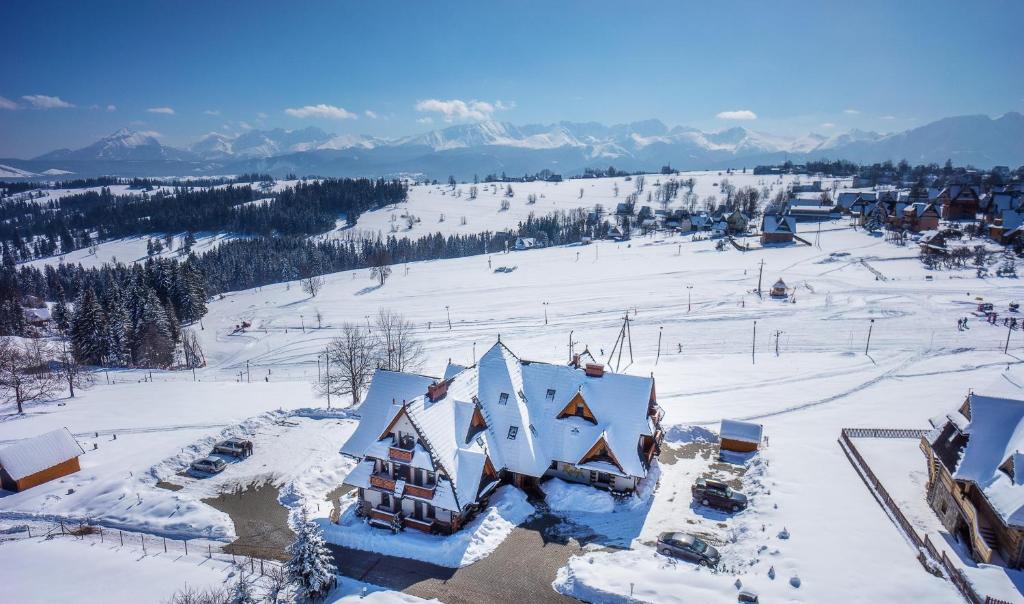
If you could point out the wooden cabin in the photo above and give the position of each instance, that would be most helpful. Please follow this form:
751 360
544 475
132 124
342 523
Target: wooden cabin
777 229
740 437
976 477
779 290
959 202
40 459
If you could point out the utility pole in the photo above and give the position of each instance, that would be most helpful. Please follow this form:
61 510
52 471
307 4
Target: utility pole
247 380
753 344
327 359
659 346
760 272
474 353
868 345
777 334
449 313
545 312
570 344
303 321
1009 330
689 290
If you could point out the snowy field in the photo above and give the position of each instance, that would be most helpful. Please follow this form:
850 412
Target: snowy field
838 544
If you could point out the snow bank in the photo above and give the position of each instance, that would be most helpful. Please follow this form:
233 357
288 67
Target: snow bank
473 542
562 496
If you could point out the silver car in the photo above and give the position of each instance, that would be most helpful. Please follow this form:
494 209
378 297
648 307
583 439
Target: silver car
688 547
207 465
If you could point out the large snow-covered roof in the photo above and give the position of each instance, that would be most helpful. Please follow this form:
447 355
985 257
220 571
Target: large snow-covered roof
38 453
778 224
520 402
995 433
387 391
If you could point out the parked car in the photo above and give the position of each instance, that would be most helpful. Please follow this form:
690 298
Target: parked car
717 494
236 447
688 547
208 465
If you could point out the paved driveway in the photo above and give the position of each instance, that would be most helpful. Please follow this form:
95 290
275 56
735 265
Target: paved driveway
521 569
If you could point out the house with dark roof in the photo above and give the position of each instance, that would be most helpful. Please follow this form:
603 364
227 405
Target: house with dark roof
976 477
431 451
959 202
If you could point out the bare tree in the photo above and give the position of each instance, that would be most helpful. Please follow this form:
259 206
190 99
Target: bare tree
351 360
71 372
24 374
398 347
191 350
380 268
312 285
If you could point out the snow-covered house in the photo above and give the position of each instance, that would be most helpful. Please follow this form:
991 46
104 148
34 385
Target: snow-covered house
959 202
431 451
919 216
33 461
742 437
779 289
976 476
526 243
37 316
777 229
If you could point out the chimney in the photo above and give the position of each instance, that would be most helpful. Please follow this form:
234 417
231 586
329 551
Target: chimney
437 390
594 370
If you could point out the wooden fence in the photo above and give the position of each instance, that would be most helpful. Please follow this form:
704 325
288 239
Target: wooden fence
257 559
928 551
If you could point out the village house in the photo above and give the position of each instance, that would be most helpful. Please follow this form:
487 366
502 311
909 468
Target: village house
34 461
432 450
738 436
1007 227
737 222
777 229
526 243
959 202
976 477
920 216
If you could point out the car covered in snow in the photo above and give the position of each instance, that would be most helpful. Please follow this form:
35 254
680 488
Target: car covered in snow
234 446
717 494
207 465
688 547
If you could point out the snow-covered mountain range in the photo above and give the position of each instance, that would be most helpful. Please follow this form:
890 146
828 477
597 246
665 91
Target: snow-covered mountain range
564 147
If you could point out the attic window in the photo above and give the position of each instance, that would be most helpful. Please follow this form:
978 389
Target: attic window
550 394
512 431
503 399
533 430
480 440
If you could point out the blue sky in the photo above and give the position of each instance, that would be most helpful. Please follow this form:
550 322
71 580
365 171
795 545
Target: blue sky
76 71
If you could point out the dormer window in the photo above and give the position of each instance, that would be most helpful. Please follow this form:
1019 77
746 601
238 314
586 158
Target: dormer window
533 430
550 394
503 398
512 432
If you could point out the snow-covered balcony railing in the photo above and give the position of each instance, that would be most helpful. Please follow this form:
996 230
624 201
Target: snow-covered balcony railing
423 492
418 524
385 514
401 449
382 481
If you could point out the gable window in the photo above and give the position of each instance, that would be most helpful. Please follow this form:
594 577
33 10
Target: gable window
512 431
550 394
503 399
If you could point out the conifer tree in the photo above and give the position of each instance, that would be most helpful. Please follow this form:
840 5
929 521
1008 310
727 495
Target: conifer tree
88 330
311 566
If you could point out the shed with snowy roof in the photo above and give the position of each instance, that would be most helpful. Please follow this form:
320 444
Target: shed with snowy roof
33 461
742 437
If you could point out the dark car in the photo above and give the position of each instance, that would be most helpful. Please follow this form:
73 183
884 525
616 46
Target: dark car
716 494
688 547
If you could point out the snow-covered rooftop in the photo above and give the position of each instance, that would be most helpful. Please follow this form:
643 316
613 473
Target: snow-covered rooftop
747 432
35 454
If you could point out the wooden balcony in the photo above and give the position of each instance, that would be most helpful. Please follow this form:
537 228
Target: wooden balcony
426 492
382 481
421 525
400 454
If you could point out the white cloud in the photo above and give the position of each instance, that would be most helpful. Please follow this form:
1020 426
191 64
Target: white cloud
322 111
152 133
888 117
456 109
162 110
244 125
6 103
738 114
851 111
213 112
41 101
111 108
828 125
425 120
370 114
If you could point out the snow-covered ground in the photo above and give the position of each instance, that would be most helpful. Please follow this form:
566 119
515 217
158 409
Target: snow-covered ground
840 544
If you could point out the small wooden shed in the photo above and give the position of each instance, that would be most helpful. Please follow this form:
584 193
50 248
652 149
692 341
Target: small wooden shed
39 459
742 437
779 290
